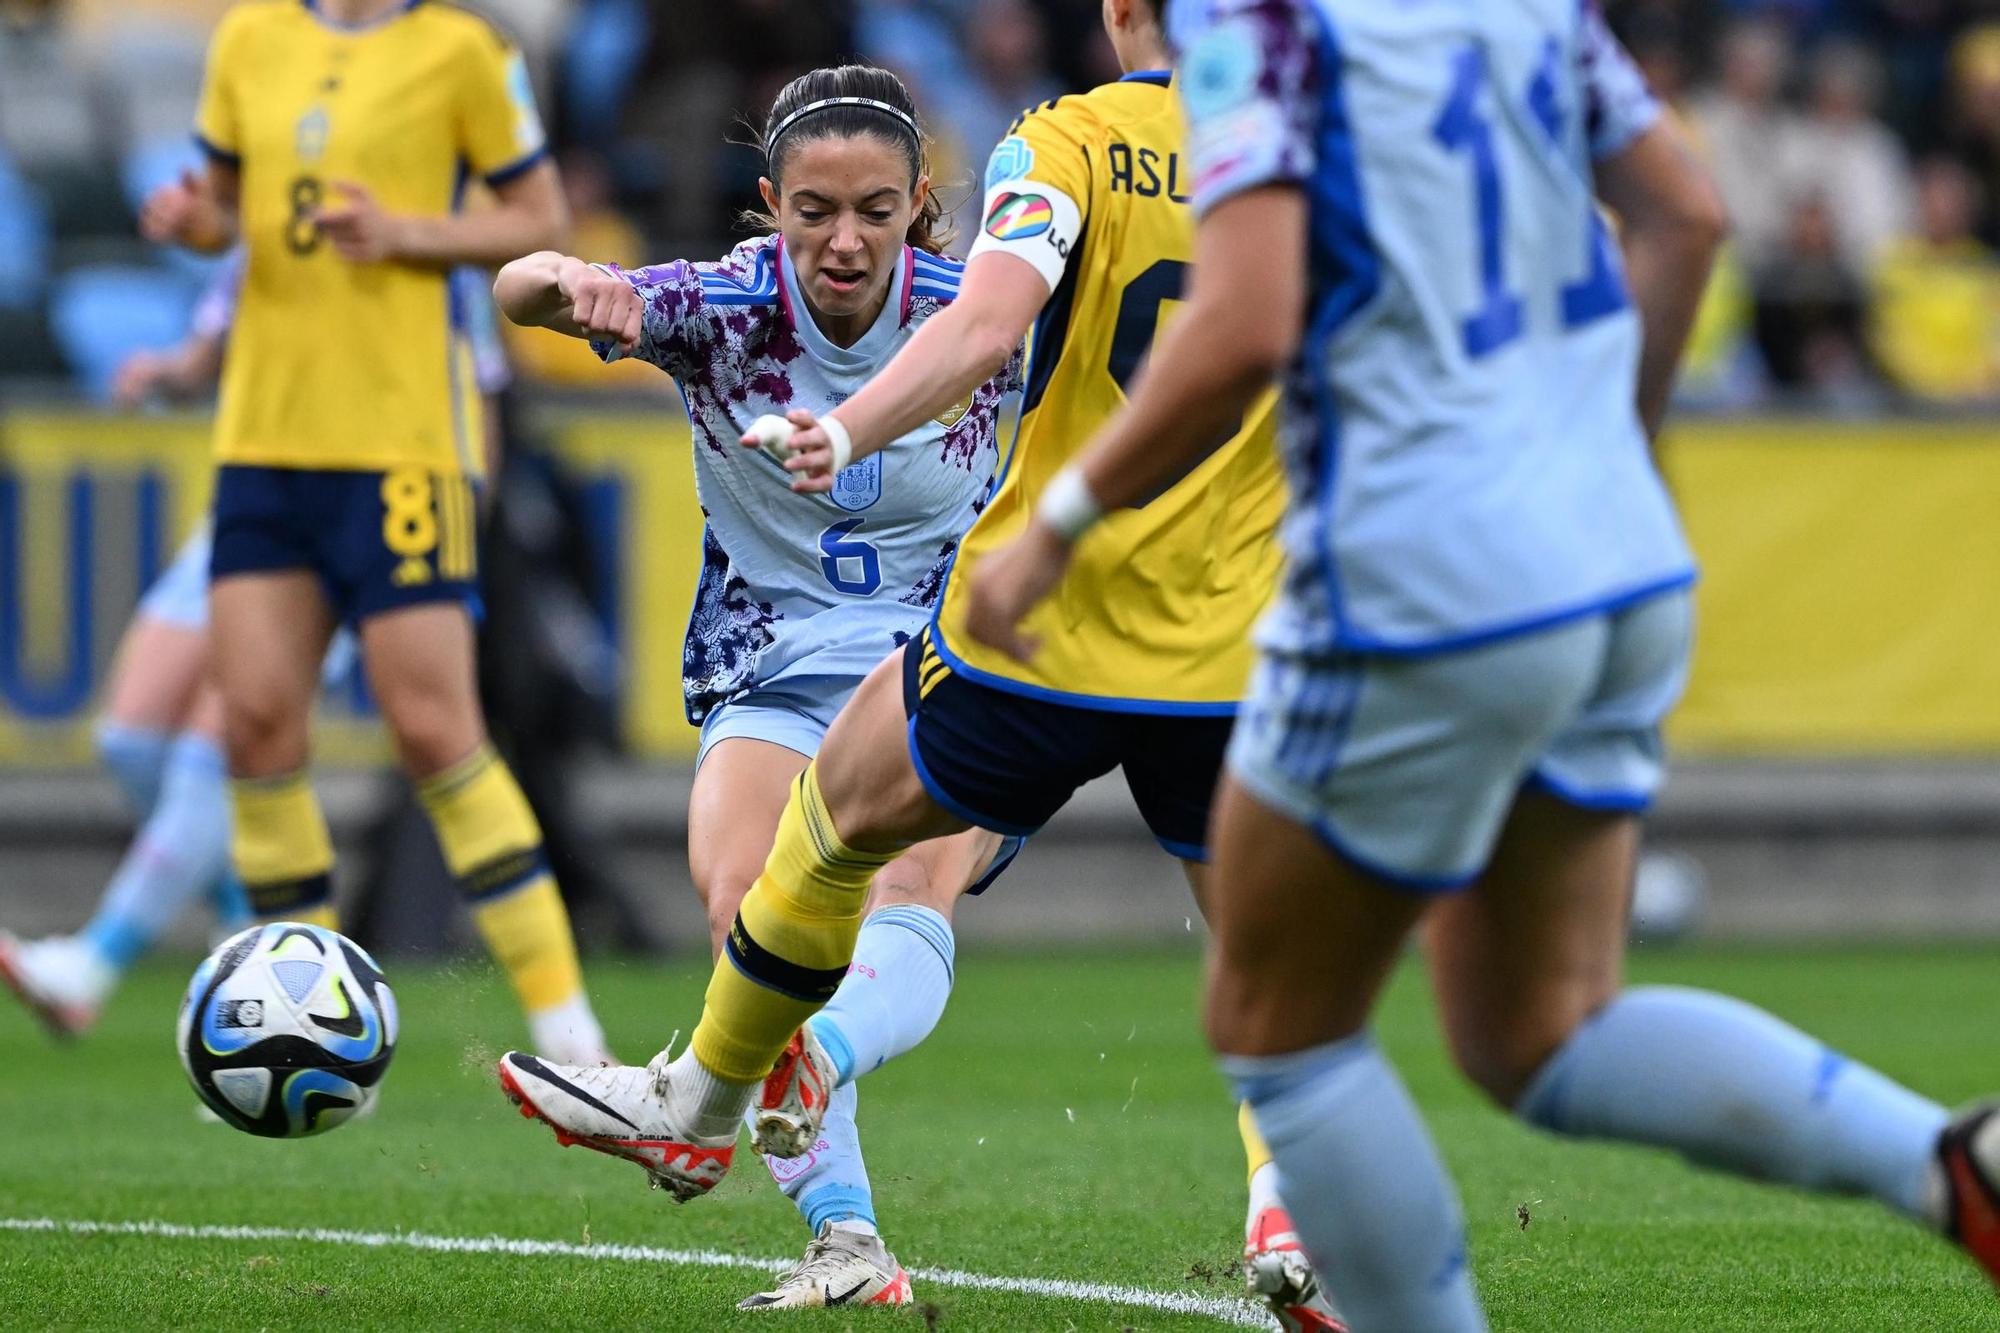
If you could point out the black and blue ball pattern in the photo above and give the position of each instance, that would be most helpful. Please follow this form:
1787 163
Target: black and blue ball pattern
287 1029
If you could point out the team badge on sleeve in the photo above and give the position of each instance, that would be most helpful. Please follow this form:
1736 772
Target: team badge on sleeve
1011 160
1016 217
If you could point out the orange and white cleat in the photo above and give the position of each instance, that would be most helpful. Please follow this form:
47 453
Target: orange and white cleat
1276 1270
843 1266
622 1111
792 1107
1969 1153
61 980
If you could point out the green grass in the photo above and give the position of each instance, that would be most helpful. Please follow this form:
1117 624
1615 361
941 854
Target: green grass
977 1162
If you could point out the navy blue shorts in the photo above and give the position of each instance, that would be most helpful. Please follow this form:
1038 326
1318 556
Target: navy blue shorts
1006 762
379 541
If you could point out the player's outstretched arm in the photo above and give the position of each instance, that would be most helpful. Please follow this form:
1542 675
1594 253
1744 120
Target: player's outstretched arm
530 215
1672 222
956 351
1245 314
561 292
197 212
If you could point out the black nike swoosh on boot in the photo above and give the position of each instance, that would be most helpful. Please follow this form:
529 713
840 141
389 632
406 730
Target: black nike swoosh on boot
529 1064
848 1295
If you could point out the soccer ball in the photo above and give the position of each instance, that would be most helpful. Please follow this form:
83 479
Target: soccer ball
287 1029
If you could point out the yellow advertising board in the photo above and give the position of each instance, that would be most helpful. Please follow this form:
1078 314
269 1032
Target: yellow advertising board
1849 602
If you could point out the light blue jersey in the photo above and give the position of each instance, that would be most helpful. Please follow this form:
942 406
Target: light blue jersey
816 589
1464 447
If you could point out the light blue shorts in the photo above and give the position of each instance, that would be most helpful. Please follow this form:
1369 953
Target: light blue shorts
1408 766
179 596
790 711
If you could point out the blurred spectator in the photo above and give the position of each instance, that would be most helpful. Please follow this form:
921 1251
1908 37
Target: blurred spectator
1841 150
1007 43
1809 311
1936 317
1975 117
1744 129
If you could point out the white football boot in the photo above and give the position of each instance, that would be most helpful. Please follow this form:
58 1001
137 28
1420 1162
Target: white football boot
620 1110
844 1265
1278 1273
62 979
792 1106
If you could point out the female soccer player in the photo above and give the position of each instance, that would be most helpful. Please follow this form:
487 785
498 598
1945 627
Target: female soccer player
801 596
1484 620
348 437
160 732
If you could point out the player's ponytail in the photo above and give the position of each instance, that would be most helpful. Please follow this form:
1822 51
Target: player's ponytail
843 102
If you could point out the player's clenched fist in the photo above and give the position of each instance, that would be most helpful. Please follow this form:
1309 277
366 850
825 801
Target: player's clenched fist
602 304
181 212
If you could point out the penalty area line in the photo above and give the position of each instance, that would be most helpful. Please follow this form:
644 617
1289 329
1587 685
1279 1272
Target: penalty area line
1239 1313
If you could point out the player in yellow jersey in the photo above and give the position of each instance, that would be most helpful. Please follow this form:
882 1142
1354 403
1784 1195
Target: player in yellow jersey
1086 236
339 133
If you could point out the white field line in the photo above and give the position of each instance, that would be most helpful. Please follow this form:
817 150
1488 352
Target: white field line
1239 1313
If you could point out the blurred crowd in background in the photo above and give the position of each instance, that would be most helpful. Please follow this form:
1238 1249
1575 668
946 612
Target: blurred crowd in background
1856 142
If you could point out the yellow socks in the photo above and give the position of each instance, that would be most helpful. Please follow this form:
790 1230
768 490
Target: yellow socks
791 942
281 851
493 845
1254 1150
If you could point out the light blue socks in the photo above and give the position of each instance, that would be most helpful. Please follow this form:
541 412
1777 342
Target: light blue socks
180 852
1728 1085
135 757
891 999
893 994
829 1183
1363 1183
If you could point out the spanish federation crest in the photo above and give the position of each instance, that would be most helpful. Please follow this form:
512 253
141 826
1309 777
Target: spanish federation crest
859 485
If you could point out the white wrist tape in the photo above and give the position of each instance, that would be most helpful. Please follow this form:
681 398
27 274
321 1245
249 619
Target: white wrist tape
774 436
841 442
1068 506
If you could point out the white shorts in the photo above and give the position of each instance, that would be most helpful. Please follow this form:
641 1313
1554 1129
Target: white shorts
1408 766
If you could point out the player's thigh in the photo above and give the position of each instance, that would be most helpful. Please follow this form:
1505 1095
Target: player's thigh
1302 939
423 671
739 795
872 789
1537 945
935 874
268 633
157 674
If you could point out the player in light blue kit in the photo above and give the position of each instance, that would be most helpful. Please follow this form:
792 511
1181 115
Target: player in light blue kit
1484 620
801 596
160 728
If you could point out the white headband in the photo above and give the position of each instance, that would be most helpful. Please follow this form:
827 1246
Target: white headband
826 103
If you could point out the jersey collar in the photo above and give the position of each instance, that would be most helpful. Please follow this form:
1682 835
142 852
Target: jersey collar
312 7
867 353
1162 77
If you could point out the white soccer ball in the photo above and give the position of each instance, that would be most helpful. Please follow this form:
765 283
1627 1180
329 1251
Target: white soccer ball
287 1029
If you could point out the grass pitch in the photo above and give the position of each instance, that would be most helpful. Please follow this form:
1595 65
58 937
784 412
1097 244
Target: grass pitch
1062 1123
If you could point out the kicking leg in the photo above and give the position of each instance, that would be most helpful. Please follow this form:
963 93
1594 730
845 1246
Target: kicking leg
851 813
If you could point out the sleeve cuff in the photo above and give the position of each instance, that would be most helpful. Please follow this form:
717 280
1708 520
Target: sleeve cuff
216 153
517 168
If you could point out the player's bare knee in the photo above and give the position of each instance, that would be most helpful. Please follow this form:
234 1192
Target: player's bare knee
263 733
1503 1058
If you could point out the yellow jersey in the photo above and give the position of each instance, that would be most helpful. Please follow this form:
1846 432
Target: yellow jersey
1156 611
334 364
